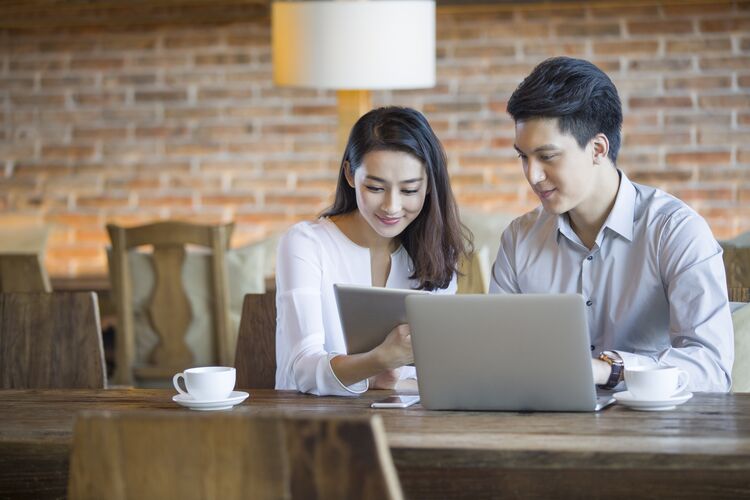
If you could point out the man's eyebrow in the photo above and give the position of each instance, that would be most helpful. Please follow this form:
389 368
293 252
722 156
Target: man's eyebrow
545 147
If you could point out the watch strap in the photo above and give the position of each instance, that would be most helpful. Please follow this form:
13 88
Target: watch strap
617 368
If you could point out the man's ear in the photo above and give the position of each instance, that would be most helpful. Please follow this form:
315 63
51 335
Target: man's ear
349 174
600 148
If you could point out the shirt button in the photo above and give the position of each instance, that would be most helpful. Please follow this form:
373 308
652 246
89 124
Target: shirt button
592 348
590 257
588 303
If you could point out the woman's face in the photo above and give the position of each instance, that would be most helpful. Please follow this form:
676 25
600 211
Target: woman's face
390 187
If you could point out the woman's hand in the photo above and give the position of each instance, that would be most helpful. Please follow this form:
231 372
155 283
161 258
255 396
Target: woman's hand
395 351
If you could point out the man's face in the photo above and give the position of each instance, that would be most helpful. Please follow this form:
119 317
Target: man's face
559 171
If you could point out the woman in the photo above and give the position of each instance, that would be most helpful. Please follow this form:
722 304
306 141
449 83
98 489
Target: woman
394 223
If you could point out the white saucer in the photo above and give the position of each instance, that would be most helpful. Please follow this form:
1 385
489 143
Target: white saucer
626 398
235 398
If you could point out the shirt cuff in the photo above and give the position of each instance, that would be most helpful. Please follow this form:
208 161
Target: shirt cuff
357 387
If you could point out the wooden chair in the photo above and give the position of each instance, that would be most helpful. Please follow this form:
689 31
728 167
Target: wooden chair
256 344
737 266
739 294
50 340
22 260
169 309
184 455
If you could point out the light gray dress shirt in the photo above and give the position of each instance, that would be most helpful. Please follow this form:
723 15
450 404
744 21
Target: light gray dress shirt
654 281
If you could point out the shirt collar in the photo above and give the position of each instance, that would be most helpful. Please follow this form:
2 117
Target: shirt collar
620 218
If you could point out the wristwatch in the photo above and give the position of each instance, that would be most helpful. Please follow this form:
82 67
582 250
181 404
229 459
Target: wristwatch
618 368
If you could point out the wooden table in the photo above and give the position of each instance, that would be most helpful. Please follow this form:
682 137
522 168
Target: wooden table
699 450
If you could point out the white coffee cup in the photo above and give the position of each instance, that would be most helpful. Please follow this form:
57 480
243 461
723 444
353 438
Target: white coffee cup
207 383
656 382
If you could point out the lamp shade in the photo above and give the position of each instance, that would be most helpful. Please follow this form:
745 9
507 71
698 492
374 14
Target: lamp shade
354 44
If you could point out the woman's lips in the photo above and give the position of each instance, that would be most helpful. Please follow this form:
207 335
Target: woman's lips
388 221
546 194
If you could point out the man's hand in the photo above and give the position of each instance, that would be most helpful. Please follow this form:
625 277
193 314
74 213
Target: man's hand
601 371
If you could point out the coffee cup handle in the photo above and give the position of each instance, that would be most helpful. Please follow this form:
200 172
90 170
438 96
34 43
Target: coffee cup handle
684 380
176 383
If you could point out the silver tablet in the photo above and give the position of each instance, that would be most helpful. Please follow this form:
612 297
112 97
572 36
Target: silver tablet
368 314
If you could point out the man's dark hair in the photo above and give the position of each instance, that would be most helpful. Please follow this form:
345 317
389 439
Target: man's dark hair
581 96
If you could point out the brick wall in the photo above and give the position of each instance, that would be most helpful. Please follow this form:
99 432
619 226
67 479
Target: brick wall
130 126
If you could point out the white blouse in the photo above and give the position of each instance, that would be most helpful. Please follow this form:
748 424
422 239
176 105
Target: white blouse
311 257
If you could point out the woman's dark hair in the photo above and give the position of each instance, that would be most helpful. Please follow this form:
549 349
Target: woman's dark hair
436 239
581 96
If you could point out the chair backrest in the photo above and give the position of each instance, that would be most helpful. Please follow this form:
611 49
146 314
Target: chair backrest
737 265
256 343
184 455
739 294
169 309
50 340
22 259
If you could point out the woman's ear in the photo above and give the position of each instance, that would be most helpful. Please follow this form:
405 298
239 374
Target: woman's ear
600 148
349 174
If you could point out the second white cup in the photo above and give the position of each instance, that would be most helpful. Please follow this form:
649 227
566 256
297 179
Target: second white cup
207 383
656 382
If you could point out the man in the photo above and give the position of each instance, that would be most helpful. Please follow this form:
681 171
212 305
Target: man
647 265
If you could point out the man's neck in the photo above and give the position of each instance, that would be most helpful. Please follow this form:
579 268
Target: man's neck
587 219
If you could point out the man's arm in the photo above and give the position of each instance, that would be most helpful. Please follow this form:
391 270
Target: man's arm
700 323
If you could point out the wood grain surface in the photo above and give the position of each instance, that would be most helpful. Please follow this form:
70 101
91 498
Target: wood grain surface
50 340
230 455
256 342
698 450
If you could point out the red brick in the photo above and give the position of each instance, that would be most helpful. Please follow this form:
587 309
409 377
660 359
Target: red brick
94 133
692 46
98 98
715 137
686 9
108 201
133 182
222 59
96 63
218 132
656 138
661 65
484 51
166 200
453 107
67 152
67 81
588 29
699 158
659 27
191 41
622 10
192 113
561 11
513 30
234 94
171 131
41 100
192 149
718 120
697 82
28 64
194 182
652 177
622 47
724 101
228 199
296 198
120 79
689 195
160 95
743 81
661 102
550 49
315 110
735 63
736 23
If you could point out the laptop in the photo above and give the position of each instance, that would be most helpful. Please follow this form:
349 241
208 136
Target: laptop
368 314
528 352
